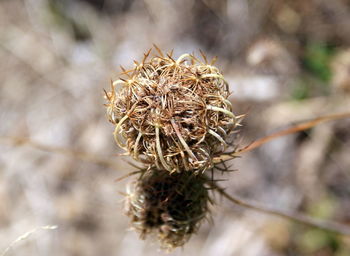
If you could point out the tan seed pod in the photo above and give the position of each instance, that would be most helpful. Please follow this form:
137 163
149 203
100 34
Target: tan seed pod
172 114
171 206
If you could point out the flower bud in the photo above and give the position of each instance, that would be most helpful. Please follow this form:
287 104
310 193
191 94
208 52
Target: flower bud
172 114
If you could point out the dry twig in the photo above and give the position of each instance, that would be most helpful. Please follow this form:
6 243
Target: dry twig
89 157
329 226
293 129
25 236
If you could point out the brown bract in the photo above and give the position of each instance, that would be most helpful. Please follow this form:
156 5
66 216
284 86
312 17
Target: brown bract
170 206
172 114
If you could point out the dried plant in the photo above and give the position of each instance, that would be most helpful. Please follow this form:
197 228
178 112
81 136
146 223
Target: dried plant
171 206
172 114
25 236
175 117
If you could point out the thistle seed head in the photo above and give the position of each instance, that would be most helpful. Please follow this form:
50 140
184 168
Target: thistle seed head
170 206
172 114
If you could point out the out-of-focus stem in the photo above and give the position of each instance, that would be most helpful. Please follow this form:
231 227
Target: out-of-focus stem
329 226
89 157
293 129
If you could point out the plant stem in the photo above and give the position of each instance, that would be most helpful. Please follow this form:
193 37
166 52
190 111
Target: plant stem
89 157
302 126
329 226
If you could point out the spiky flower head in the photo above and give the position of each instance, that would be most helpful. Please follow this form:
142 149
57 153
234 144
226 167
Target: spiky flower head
172 114
171 206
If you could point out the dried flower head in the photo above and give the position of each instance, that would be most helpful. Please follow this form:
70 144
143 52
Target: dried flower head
168 205
172 114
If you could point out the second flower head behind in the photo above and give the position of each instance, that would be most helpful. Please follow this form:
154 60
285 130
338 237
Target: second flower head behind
172 114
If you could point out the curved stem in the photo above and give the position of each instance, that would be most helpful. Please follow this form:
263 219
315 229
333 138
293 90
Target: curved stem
213 76
116 132
182 57
25 236
293 129
118 82
160 152
217 136
329 226
136 151
89 157
183 142
230 114
297 128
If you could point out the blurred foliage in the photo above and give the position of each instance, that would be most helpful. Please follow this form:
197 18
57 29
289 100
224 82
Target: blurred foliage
315 242
317 60
67 21
301 90
317 74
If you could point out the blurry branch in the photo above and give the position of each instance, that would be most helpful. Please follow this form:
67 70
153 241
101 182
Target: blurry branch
337 228
89 157
295 128
40 74
25 236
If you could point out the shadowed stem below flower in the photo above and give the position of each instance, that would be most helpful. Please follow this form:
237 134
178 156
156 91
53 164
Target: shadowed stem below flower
337 228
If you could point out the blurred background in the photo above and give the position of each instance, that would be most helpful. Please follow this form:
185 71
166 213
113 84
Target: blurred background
285 61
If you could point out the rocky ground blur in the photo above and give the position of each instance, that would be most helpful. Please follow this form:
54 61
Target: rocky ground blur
284 60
